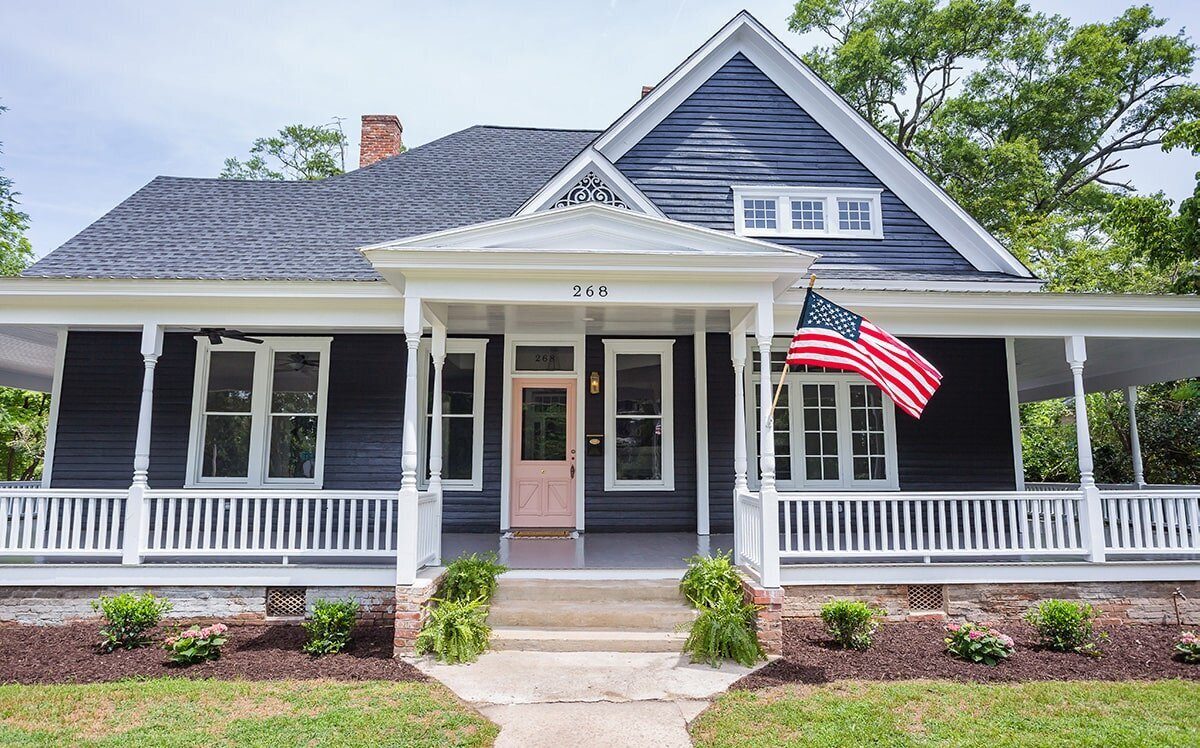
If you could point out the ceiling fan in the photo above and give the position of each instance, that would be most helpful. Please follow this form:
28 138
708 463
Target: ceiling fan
297 362
216 335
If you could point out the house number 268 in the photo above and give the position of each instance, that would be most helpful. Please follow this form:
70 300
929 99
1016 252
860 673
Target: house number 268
589 291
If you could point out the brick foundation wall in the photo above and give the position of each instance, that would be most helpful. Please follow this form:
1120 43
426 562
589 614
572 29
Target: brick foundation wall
768 624
412 609
58 605
1118 602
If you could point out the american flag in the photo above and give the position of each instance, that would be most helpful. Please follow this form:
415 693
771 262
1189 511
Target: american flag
835 338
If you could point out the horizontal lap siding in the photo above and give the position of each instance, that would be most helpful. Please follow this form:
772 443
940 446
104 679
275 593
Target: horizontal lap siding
720 433
364 428
963 440
740 128
645 511
479 511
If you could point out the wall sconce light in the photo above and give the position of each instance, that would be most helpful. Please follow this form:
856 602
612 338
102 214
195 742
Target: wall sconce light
594 383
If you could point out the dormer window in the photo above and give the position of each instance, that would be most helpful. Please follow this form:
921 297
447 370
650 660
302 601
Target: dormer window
813 212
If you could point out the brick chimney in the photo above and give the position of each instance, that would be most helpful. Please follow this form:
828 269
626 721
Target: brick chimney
380 138
646 90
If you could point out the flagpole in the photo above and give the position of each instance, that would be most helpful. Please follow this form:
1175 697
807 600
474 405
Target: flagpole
812 281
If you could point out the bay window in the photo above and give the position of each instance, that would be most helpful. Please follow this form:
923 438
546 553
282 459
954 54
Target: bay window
639 415
258 412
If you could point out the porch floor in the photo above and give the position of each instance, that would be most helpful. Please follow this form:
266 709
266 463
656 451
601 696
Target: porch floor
635 550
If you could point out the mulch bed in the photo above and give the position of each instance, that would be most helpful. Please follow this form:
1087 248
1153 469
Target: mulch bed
906 651
67 654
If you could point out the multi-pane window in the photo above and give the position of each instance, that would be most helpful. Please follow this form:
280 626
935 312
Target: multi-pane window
807 211
258 412
462 413
808 215
832 430
854 215
759 213
639 426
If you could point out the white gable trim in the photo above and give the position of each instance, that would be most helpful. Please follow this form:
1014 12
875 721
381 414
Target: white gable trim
594 161
746 35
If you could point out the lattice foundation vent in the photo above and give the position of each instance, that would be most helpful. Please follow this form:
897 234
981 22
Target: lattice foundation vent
926 597
285 602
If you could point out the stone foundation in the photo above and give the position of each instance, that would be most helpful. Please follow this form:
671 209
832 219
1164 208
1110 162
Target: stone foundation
412 610
58 605
768 623
1118 602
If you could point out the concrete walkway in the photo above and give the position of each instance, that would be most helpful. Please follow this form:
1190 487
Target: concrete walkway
582 699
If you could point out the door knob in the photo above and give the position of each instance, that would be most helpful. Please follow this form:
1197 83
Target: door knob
543 472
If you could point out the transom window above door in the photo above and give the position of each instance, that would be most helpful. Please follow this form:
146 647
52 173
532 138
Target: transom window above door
258 412
828 212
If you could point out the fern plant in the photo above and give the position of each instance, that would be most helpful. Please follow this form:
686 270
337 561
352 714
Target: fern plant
472 577
725 631
708 578
456 631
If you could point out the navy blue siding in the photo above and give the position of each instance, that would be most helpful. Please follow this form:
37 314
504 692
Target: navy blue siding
364 426
741 128
479 511
721 414
630 511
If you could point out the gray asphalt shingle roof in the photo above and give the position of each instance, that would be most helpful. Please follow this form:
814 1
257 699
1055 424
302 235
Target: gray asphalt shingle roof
244 230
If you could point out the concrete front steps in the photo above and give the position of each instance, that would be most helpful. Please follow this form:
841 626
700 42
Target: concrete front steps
544 615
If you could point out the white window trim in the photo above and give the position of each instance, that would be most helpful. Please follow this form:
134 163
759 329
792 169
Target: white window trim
799 480
829 196
260 415
478 347
664 348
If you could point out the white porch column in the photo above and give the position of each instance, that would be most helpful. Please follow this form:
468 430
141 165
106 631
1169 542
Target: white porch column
1014 410
1091 514
737 344
438 350
764 332
407 514
700 350
1135 441
137 518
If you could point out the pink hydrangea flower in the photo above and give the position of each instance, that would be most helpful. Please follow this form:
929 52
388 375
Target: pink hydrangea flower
953 627
975 634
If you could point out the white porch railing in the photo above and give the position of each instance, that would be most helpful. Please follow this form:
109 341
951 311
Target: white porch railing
929 525
61 521
748 533
1163 521
197 522
429 528
20 484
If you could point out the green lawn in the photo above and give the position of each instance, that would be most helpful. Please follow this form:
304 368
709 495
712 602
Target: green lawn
176 712
923 713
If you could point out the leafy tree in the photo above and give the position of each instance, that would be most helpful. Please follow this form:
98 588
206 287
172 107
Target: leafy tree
15 249
297 152
22 414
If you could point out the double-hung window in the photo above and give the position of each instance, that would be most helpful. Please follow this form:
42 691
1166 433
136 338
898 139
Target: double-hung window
832 430
639 427
462 413
258 412
813 212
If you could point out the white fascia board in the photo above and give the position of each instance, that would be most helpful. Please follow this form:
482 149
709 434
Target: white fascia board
589 160
746 35
135 287
1014 285
623 225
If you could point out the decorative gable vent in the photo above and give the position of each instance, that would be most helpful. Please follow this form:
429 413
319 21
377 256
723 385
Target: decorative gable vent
591 189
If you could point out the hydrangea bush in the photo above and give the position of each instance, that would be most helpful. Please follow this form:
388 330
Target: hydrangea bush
196 644
976 643
1188 647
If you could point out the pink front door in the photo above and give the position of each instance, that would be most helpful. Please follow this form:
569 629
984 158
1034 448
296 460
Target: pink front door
543 459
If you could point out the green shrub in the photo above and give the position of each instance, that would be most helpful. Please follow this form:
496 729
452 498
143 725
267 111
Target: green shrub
456 631
724 631
1066 627
975 643
851 623
196 644
330 626
472 577
127 618
708 578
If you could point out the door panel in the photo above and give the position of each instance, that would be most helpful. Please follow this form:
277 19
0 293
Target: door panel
543 464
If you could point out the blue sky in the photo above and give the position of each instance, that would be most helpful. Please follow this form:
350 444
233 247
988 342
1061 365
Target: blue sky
102 97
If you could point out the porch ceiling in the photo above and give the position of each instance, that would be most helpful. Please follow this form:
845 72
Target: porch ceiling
1112 363
543 319
27 356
